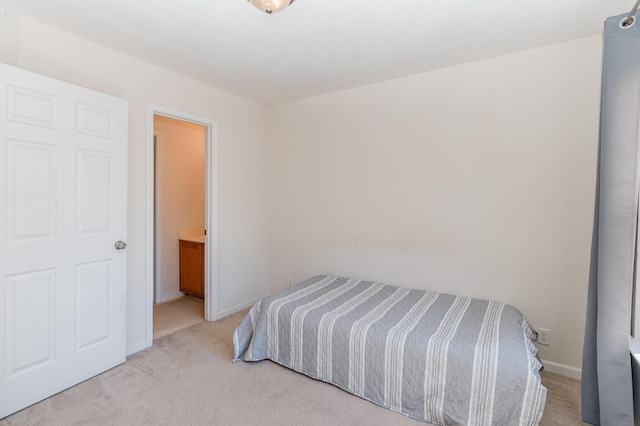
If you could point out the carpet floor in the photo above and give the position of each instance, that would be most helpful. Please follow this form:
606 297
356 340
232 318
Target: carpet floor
187 378
172 316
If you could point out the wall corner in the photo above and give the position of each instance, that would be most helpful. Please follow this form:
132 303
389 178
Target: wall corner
8 35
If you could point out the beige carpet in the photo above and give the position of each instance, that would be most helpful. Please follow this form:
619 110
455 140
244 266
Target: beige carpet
175 315
187 378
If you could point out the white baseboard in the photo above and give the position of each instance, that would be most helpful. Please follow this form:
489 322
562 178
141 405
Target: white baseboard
137 347
562 369
170 296
249 303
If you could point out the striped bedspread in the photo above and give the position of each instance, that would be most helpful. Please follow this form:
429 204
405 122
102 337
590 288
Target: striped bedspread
434 357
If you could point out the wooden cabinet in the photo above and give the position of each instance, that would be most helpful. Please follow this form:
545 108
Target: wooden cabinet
192 268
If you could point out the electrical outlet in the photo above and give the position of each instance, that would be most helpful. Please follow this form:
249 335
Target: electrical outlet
544 336
290 282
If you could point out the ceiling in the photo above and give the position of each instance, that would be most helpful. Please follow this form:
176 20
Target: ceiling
318 46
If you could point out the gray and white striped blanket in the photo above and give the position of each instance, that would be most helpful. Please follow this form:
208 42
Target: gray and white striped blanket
434 357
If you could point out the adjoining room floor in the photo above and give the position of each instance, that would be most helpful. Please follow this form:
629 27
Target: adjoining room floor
175 315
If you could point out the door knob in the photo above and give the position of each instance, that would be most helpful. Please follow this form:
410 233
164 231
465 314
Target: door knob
120 245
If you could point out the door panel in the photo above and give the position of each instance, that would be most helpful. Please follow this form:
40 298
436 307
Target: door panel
31 190
62 207
31 107
94 192
92 316
30 310
93 120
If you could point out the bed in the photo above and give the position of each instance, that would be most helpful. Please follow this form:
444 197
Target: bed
431 356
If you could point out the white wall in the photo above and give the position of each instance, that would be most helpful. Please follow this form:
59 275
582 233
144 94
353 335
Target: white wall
8 35
242 265
179 202
475 180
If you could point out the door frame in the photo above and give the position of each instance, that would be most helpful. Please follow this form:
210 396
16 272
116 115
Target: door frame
157 246
211 212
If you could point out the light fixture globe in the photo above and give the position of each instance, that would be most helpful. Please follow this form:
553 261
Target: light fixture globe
271 6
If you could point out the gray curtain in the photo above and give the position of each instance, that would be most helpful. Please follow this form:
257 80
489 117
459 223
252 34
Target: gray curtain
607 395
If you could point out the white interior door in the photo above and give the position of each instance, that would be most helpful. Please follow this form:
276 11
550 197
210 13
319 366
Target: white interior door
63 153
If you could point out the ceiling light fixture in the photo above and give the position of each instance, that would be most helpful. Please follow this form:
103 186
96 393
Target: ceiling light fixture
271 6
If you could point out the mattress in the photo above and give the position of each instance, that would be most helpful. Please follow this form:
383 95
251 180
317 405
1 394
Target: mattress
435 357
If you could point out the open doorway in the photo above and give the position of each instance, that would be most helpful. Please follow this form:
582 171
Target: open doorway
179 224
181 217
